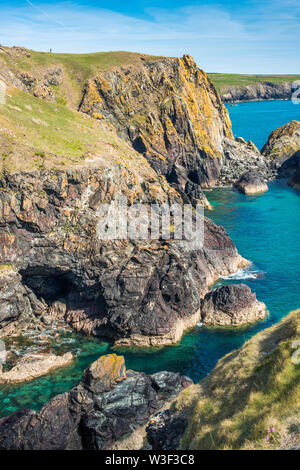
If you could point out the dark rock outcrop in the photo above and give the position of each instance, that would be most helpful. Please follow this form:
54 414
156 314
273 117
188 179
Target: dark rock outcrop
234 304
240 157
171 112
93 415
258 92
282 150
251 182
165 430
146 292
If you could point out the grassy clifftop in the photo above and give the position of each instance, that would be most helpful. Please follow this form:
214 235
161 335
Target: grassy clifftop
36 134
250 391
226 80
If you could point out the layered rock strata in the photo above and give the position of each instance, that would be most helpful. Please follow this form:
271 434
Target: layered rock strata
251 182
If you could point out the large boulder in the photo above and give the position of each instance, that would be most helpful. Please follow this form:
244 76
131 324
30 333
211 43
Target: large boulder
94 414
282 150
251 182
241 157
231 305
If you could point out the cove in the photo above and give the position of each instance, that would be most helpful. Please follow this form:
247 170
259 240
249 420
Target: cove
265 230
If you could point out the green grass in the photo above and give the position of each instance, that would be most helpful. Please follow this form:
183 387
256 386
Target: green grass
36 134
249 391
226 80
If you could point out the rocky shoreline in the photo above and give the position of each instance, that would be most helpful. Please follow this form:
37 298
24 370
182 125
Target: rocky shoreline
263 91
107 406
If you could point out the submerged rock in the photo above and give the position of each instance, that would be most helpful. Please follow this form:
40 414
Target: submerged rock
251 182
165 430
93 417
35 365
234 305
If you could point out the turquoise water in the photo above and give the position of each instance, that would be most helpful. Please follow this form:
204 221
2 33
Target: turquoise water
256 120
265 230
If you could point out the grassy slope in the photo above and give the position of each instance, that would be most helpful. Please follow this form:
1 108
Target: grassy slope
35 134
226 80
80 67
77 68
250 390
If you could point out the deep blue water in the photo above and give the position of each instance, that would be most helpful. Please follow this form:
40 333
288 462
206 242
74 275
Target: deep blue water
265 230
256 120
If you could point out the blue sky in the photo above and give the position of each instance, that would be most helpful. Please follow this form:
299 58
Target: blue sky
246 36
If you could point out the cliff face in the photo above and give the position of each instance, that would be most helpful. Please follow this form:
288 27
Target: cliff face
146 292
258 92
172 114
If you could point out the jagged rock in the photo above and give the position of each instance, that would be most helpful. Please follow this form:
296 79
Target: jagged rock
33 366
258 92
251 182
96 418
106 372
282 150
234 304
172 114
240 157
54 76
146 292
294 181
165 430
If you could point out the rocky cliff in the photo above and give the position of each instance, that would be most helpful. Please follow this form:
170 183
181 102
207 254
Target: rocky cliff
257 92
109 405
60 165
171 113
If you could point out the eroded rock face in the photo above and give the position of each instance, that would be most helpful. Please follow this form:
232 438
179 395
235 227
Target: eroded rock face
147 292
234 305
92 417
172 114
241 157
251 182
282 150
33 366
165 430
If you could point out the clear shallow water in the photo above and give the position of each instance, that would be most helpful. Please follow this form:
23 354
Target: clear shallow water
265 230
257 119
